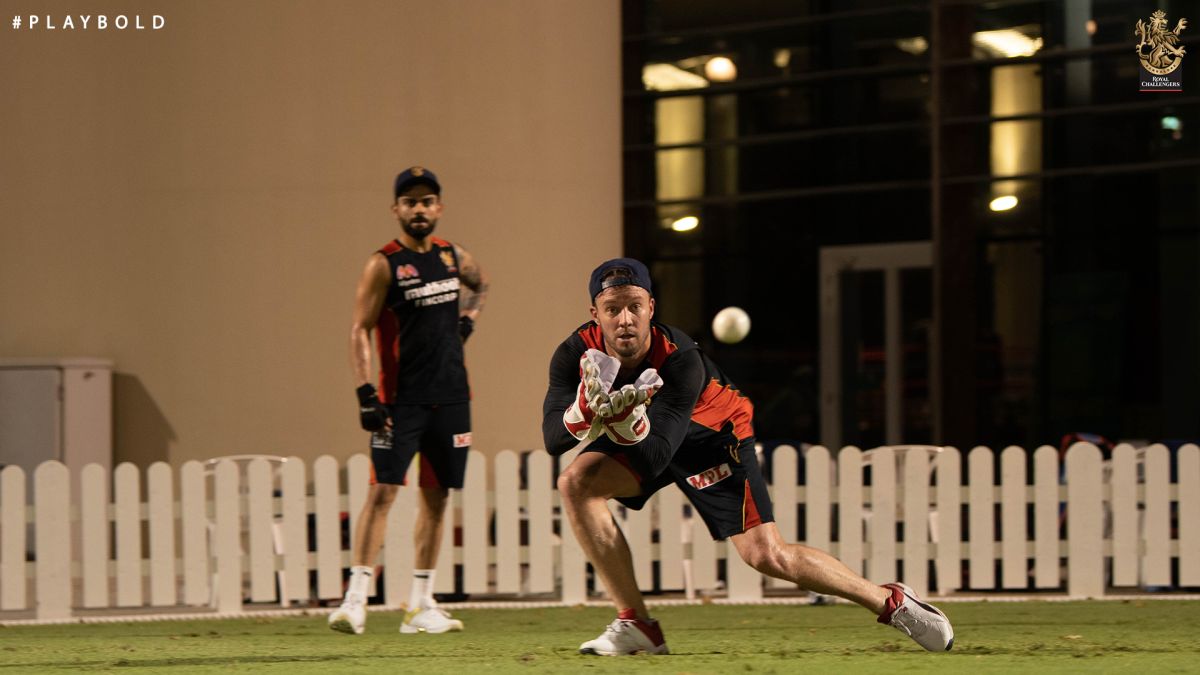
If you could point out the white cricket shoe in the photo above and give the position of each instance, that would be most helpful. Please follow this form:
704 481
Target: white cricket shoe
919 620
627 635
350 618
429 620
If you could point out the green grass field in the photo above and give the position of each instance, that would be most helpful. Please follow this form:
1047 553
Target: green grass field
1152 637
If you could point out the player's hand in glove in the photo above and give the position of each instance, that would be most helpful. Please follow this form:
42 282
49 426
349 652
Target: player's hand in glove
372 414
624 415
597 371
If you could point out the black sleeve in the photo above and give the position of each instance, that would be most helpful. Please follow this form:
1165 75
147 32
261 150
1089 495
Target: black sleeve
670 412
564 384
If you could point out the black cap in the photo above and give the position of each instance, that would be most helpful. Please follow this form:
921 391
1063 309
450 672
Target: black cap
634 274
414 175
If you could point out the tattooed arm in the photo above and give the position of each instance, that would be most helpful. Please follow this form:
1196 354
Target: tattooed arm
472 276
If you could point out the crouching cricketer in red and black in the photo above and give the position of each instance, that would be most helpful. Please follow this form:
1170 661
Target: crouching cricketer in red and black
658 411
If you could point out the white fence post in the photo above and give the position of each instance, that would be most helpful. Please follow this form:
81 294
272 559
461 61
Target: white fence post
52 538
1156 561
949 525
1124 509
160 500
295 529
193 526
227 535
93 535
329 528
541 524
1085 546
1046 572
127 500
982 547
1013 563
916 520
12 538
1188 463
260 516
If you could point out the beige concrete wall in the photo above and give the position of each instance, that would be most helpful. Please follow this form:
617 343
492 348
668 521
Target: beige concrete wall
197 202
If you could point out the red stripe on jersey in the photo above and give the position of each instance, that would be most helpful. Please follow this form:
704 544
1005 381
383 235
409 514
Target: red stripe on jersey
438 241
750 515
592 337
387 344
391 247
660 348
719 404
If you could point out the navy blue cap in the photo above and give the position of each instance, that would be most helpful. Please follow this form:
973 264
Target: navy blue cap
634 274
414 175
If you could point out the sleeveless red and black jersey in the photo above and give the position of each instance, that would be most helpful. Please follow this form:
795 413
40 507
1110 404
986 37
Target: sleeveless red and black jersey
719 404
420 352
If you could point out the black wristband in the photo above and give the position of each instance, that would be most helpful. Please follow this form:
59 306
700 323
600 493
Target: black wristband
466 326
366 393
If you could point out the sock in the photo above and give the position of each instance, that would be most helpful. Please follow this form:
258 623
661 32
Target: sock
893 603
421 596
360 582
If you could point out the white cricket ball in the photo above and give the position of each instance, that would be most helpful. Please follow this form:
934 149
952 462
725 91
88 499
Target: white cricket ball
731 325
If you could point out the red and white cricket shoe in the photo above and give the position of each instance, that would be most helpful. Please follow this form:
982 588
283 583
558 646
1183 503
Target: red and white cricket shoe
627 635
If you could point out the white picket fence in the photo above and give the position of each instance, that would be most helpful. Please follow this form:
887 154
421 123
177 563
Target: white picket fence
243 530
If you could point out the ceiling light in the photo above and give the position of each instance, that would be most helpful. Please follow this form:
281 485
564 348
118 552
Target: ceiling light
667 77
1008 42
685 224
1003 203
720 69
915 45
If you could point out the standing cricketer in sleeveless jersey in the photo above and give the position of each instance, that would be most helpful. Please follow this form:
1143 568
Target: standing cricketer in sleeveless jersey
420 295
658 411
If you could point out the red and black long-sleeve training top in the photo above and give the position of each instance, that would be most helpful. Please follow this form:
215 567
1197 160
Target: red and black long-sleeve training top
695 401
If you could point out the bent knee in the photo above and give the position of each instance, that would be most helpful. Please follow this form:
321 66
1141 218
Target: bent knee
382 495
570 482
768 560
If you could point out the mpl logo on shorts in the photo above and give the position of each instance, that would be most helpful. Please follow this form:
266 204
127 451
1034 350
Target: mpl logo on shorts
709 477
462 440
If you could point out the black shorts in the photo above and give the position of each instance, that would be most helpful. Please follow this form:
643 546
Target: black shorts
441 433
718 473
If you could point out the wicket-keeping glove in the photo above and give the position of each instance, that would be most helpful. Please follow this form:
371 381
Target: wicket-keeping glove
624 415
597 371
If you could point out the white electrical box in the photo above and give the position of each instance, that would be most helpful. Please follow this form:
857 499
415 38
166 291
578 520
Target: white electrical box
56 408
